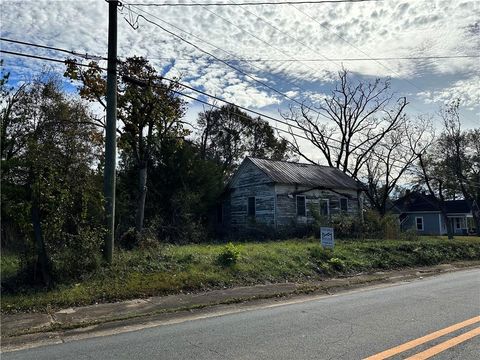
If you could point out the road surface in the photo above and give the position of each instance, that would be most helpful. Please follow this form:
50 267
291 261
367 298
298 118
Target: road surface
436 317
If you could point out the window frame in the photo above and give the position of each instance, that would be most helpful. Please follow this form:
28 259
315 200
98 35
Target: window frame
304 205
249 213
416 223
346 204
320 206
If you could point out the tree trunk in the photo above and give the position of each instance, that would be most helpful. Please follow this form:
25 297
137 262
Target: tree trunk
476 218
448 224
142 195
43 261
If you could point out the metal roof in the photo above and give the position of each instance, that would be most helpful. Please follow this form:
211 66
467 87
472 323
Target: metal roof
286 172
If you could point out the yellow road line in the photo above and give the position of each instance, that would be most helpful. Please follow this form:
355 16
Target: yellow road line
445 345
414 343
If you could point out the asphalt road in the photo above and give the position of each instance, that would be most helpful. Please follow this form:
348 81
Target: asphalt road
352 325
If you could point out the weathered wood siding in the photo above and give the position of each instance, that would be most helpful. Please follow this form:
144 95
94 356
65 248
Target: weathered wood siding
275 204
286 212
250 181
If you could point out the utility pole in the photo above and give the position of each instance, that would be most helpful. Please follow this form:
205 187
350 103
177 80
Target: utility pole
111 131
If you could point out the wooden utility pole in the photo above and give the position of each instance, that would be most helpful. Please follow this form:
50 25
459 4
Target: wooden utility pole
111 131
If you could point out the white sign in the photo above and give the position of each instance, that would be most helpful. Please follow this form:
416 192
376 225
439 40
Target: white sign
326 237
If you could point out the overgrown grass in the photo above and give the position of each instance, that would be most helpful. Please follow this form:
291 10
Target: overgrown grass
173 269
10 265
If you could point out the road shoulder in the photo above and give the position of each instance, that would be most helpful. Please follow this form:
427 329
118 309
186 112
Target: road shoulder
20 331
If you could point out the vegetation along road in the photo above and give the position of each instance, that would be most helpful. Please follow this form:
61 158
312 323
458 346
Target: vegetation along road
436 318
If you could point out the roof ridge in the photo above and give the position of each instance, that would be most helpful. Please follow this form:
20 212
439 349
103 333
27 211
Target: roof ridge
290 162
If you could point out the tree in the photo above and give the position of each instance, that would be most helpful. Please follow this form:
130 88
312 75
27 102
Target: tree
460 151
347 126
184 189
394 156
148 108
451 167
431 173
228 134
362 131
50 188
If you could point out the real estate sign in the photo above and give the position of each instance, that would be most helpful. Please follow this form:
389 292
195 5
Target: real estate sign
326 237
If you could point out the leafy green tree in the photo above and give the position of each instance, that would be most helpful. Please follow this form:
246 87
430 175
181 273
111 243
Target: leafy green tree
50 185
148 108
228 134
183 191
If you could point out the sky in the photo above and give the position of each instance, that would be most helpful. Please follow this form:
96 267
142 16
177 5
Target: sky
285 38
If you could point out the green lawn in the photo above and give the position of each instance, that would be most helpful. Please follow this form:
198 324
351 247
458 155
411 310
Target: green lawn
172 269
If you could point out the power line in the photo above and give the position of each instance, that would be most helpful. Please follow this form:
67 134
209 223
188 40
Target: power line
257 37
47 58
97 57
290 126
286 80
306 45
222 100
252 3
224 62
85 56
352 45
233 67
435 57
170 80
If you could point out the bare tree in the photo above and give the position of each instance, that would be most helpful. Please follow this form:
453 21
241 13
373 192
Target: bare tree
392 159
461 155
452 166
361 130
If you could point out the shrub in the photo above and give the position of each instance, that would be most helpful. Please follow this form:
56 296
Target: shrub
410 235
337 264
80 256
346 226
376 226
229 255
319 254
129 239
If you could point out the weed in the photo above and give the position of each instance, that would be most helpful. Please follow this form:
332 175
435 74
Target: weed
229 255
170 269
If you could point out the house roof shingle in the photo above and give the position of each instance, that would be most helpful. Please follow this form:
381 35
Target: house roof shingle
286 172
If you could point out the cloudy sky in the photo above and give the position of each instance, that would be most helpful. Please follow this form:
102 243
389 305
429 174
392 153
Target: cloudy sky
295 49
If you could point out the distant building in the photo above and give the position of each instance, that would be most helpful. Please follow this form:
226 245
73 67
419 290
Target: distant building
422 212
281 197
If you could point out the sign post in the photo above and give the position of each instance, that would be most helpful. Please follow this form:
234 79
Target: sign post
326 237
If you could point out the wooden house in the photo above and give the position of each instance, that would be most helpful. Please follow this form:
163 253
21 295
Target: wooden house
273 197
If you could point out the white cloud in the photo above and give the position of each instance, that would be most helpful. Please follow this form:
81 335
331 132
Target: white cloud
386 29
467 90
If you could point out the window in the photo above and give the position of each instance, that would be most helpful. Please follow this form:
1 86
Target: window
419 223
220 213
301 206
460 223
334 205
324 210
251 206
344 204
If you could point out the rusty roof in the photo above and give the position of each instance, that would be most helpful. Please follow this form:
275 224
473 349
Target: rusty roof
286 172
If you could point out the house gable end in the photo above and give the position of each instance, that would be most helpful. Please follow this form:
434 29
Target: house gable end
248 174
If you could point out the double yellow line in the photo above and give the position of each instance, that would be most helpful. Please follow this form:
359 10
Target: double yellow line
435 349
